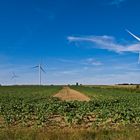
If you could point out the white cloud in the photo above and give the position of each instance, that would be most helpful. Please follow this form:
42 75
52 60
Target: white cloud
107 42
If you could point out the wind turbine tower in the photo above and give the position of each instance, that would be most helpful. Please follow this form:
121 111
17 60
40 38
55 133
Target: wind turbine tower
40 70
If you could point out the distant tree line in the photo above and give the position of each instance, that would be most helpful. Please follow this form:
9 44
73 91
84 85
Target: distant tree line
128 84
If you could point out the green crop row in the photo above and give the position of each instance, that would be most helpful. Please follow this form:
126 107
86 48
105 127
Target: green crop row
20 106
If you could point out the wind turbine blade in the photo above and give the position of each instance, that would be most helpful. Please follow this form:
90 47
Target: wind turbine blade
12 78
42 69
133 35
35 67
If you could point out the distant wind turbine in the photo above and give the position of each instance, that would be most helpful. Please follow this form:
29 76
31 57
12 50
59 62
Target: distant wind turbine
137 39
40 69
14 76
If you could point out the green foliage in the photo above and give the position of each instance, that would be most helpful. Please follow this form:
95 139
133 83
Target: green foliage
33 105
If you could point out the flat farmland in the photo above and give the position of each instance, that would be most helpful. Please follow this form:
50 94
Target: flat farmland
106 112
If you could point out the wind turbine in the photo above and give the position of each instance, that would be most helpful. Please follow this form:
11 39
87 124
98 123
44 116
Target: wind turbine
40 69
14 76
138 40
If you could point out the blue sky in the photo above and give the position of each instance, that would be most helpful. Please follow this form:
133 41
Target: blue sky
75 40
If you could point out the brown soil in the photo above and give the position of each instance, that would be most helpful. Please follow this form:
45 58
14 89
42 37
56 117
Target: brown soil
68 94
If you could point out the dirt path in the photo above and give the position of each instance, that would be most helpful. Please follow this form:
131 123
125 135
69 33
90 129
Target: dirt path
69 94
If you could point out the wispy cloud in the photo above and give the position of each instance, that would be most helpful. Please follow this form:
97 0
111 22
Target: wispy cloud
116 2
107 42
92 62
87 61
88 70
